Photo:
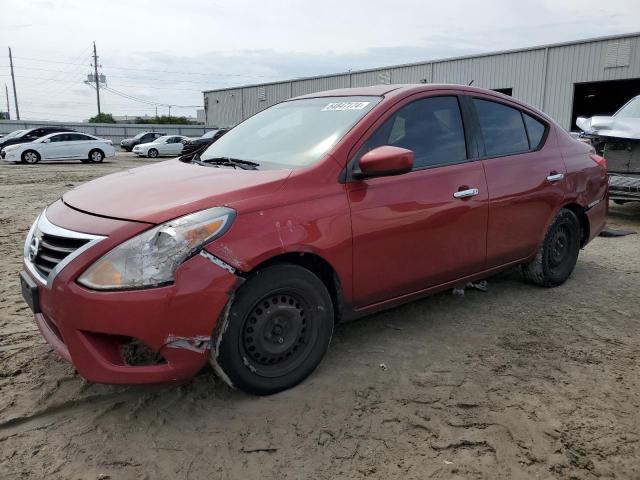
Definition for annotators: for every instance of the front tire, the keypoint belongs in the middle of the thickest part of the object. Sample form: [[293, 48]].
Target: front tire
[[558, 253], [278, 329], [152, 153], [96, 156], [30, 157]]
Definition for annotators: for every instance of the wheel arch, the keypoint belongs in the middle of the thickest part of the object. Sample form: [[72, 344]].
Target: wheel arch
[[96, 149], [585, 227], [318, 266]]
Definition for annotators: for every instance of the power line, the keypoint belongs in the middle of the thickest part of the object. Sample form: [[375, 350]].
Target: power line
[[178, 72]]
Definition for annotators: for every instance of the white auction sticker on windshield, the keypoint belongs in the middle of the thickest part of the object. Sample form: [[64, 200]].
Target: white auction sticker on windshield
[[339, 106]]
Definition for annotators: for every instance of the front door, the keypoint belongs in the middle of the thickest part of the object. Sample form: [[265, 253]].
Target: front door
[[56, 147], [426, 227]]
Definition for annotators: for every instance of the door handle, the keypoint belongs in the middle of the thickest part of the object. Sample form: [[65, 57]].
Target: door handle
[[471, 192], [554, 177]]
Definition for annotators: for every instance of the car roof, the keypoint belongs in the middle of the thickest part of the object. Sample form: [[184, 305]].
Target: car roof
[[403, 90], [63, 132]]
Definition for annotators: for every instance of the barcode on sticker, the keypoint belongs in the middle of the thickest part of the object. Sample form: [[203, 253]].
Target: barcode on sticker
[[337, 106]]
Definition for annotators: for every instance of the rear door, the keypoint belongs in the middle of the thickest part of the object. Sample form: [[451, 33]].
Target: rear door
[[79, 145], [525, 177], [426, 227]]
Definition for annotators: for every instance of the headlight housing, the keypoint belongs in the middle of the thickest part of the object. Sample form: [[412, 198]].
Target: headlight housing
[[152, 257], [10, 148]]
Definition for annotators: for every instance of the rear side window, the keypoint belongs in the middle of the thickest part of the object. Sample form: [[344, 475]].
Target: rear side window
[[502, 128], [77, 137], [535, 130], [430, 127]]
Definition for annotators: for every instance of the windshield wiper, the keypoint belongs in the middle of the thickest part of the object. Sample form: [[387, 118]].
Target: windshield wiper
[[232, 162]]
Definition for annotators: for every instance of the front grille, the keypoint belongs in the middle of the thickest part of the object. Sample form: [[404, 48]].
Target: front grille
[[52, 250]]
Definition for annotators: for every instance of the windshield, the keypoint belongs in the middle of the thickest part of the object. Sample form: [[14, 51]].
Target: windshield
[[292, 134], [209, 134], [162, 139], [13, 134], [630, 110], [140, 135], [24, 133]]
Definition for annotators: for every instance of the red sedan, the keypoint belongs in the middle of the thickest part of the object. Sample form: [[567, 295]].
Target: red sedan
[[317, 210]]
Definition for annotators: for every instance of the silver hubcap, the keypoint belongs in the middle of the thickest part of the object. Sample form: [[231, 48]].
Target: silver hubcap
[[31, 157], [153, 153], [96, 156]]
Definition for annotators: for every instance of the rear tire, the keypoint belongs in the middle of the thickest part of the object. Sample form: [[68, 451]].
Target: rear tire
[[277, 330], [30, 156], [558, 253], [96, 156], [152, 153]]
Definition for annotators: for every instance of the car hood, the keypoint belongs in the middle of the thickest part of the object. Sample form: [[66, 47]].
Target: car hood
[[148, 144], [12, 141], [157, 193], [628, 128]]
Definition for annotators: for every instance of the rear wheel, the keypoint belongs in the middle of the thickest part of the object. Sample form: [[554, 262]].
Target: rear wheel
[[152, 153], [96, 156], [278, 329], [30, 156], [558, 253]]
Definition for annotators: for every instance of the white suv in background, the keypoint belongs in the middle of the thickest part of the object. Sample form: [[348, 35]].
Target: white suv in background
[[61, 146]]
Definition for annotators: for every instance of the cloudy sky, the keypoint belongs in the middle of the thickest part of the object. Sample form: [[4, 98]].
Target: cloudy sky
[[162, 52]]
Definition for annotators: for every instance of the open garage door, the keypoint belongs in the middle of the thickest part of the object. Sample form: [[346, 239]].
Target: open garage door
[[602, 98]]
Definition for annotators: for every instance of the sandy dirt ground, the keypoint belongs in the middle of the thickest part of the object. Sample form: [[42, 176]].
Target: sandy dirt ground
[[517, 382]]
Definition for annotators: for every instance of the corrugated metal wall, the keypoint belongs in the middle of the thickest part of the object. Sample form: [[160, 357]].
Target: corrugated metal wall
[[542, 76], [579, 63], [111, 131]]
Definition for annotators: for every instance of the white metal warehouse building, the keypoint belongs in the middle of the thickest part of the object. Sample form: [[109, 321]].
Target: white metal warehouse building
[[565, 80]]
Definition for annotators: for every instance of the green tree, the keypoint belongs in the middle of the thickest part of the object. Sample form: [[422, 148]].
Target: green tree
[[102, 118]]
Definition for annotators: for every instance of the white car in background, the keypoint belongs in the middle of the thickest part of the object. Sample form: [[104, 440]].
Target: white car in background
[[60, 146], [166, 145]]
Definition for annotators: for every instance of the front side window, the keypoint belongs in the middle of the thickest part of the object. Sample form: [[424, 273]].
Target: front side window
[[431, 128], [59, 138], [502, 128], [292, 134]]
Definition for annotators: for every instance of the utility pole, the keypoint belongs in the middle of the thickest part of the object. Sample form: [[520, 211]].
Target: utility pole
[[6, 92], [13, 81], [97, 79], [169, 112]]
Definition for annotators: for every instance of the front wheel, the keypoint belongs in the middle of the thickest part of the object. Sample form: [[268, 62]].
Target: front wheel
[[278, 329], [152, 153], [31, 157], [558, 253]]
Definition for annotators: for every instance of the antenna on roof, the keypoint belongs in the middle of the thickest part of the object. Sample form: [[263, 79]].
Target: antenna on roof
[[470, 83]]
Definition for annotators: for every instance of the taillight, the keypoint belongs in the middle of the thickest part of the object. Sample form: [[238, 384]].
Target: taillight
[[601, 161]]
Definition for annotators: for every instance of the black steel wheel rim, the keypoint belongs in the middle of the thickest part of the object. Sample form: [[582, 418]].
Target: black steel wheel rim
[[278, 334], [560, 247]]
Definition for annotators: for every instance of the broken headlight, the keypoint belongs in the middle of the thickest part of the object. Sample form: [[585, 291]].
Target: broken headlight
[[152, 257]]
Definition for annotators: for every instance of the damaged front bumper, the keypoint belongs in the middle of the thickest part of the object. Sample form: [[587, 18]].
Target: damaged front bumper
[[155, 335]]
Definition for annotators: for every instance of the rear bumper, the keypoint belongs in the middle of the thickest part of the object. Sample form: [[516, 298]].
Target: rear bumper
[[96, 331]]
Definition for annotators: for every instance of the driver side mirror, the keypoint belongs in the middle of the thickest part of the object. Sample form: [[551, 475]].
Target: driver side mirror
[[46, 140], [385, 161]]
